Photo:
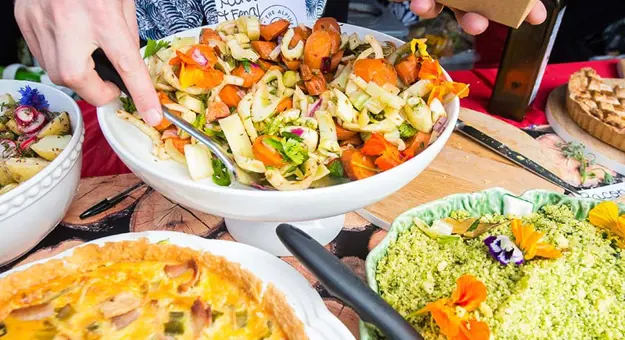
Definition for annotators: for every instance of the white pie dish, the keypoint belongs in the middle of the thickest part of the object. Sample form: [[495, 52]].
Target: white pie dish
[[30, 211], [318, 321], [252, 216]]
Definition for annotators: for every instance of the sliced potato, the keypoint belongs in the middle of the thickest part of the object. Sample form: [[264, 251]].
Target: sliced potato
[[12, 125], [60, 125], [8, 188], [23, 169], [49, 147], [5, 177]]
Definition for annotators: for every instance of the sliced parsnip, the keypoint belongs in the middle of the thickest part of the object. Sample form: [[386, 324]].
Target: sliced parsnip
[[49, 147], [198, 161]]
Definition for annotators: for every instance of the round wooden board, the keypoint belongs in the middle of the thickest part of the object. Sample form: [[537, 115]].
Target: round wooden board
[[568, 130]]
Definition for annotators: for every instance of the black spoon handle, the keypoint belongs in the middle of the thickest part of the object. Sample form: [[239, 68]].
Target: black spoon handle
[[107, 71], [344, 284]]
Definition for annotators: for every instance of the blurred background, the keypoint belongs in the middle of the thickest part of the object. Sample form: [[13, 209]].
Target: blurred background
[[590, 30]]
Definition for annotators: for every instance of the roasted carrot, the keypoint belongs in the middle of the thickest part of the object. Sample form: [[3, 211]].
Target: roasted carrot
[[301, 33], [263, 48], [336, 60], [327, 24], [343, 134], [305, 72], [180, 143], [375, 145], [285, 104], [376, 70], [267, 154], [316, 85], [356, 165], [389, 159], [199, 55], [164, 124], [249, 78], [292, 65], [318, 46], [207, 35], [416, 144], [408, 70], [231, 95], [273, 30], [164, 98], [336, 42], [217, 110]]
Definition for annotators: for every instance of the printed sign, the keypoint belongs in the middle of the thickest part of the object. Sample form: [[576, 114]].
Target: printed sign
[[609, 192], [268, 10]]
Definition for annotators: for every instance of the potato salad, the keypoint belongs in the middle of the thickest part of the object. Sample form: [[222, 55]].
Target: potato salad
[[31, 136], [298, 107]]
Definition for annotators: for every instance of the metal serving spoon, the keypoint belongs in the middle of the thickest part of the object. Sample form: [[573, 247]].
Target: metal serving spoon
[[239, 178]]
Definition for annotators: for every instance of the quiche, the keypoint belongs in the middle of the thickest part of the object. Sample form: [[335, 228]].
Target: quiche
[[142, 290], [597, 106]]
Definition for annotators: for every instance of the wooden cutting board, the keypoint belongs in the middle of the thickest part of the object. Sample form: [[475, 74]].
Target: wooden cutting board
[[465, 166]]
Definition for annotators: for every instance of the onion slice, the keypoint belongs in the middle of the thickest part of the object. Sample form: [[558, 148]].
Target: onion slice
[[8, 148], [314, 107]]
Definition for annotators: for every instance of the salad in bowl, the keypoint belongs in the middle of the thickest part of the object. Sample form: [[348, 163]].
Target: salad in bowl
[[297, 107], [31, 136]]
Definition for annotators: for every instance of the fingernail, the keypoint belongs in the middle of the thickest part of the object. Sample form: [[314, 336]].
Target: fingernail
[[153, 116]]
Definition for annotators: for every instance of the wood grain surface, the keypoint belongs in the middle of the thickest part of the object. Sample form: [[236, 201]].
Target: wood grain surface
[[466, 166]]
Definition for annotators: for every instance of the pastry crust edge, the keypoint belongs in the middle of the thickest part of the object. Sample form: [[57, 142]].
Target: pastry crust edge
[[89, 257]]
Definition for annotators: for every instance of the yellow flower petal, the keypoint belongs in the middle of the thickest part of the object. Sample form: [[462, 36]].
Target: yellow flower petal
[[604, 215]]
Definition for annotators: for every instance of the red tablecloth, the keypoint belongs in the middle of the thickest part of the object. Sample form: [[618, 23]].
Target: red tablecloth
[[100, 160]]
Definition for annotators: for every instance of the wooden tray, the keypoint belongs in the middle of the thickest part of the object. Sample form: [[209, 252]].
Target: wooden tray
[[466, 166]]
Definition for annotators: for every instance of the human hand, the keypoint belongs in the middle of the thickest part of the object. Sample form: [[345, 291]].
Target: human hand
[[471, 23], [62, 35]]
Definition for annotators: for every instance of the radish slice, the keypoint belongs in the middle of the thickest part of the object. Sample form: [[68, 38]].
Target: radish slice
[[36, 125], [8, 148], [24, 115], [170, 133], [27, 142]]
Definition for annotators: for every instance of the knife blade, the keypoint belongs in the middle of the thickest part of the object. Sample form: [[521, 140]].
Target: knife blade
[[513, 156], [109, 202]]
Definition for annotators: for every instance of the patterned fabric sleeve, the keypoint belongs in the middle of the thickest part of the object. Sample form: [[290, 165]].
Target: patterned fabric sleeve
[[160, 18], [210, 11]]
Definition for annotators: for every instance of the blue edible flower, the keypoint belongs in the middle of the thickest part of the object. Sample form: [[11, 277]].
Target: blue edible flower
[[504, 250], [32, 97]]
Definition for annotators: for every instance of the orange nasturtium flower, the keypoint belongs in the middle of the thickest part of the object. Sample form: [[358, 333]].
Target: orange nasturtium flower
[[605, 215], [528, 240], [469, 294]]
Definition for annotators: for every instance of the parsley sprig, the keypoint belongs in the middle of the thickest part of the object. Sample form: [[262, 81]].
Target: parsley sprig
[[154, 46]]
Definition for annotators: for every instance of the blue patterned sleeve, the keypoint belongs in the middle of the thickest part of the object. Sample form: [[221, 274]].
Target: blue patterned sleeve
[[160, 18]]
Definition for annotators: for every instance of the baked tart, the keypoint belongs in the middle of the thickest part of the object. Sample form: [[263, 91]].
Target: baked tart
[[141, 290], [597, 106]]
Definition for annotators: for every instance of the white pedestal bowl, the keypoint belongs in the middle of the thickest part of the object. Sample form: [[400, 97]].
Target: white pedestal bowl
[[252, 216]]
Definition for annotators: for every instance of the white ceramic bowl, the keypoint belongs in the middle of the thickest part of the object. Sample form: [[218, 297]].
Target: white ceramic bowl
[[264, 208], [30, 211], [305, 301]]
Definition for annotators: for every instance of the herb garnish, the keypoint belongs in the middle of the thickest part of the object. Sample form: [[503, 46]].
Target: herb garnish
[[128, 104], [336, 169], [154, 46], [576, 151], [220, 174]]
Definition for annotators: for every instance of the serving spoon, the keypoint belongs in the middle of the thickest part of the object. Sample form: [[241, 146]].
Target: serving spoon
[[239, 178], [344, 284]]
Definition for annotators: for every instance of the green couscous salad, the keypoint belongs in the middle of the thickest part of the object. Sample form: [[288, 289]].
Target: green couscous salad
[[545, 275]]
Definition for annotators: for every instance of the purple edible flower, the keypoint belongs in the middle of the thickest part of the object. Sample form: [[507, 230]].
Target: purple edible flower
[[32, 97], [504, 250], [298, 131]]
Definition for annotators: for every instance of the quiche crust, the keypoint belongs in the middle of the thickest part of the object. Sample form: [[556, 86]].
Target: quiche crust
[[597, 107], [14, 288]]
